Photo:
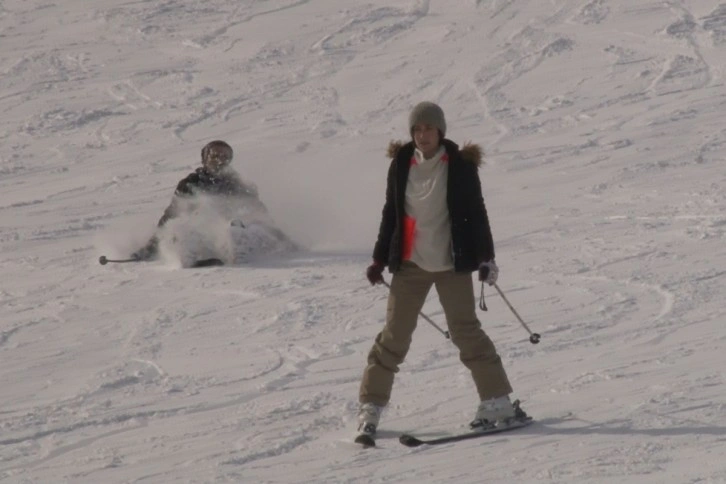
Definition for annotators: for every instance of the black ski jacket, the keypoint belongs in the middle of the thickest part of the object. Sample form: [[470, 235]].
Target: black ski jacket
[[471, 235]]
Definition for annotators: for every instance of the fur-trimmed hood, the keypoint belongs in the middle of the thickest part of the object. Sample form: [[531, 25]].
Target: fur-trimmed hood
[[470, 152]]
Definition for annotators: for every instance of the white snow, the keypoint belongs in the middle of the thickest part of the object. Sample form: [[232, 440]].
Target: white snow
[[604, 127]]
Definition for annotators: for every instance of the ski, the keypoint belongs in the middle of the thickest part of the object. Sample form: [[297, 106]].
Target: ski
[[411, 441], [213, 262]]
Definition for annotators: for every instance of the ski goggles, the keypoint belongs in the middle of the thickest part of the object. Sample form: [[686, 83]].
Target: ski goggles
[[219, 154]]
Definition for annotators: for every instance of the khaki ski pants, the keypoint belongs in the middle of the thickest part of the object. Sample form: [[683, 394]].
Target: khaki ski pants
[[409, 288]]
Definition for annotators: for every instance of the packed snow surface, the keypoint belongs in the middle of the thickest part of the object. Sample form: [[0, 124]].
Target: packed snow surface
[[604, 127]]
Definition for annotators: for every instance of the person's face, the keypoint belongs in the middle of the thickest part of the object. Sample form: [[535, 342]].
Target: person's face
[[218, 157], [426, 137]]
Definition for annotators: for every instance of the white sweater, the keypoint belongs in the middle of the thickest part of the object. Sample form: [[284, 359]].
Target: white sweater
[[426, 206]]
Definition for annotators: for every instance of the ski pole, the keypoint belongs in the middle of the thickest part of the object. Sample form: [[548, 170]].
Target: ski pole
[[103, 260], [445, 333], [533, 337]]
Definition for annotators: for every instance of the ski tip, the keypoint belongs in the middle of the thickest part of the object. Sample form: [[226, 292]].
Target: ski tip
[[410, 440], [365, 440]]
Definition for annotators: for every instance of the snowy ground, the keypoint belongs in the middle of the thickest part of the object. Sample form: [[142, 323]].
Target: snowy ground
[[604, 126]]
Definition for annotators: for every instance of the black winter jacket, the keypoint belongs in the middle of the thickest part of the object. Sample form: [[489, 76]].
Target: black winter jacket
[[471, 235]]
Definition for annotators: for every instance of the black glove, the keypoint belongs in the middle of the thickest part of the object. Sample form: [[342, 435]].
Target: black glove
[[148, 251], [374, 273]]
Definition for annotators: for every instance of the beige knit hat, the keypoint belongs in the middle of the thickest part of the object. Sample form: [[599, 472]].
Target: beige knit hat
[[427, 113]]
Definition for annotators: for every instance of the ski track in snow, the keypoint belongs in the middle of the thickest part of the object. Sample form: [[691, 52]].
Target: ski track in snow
[[602, 123]]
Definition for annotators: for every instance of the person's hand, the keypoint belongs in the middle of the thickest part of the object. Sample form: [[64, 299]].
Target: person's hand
[[148, 251], [142, 254], [488, 272], [374, 273]]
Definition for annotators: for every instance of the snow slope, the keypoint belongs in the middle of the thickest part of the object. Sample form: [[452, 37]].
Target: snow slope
[[604, 127]]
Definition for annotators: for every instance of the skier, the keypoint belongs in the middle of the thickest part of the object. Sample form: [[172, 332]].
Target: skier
[[434, 231], [216, 178]]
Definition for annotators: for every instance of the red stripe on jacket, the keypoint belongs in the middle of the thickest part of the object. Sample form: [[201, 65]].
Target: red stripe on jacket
[[409, 234]]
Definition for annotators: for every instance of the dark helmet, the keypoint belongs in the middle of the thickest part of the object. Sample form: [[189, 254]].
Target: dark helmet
[[218, 153]]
